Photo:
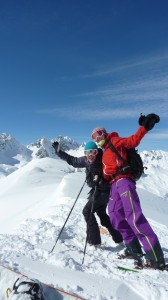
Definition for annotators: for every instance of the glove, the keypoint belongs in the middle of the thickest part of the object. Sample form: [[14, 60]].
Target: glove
[[56, 146], [149, 121], [141, 120], [96, 180]]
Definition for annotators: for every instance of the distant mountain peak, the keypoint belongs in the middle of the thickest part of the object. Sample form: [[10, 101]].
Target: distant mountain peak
[[11, 151], [42, 148], [66, 143], [14, 155]]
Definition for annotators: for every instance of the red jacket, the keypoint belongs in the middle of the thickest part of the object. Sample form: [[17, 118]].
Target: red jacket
[[111, 162]]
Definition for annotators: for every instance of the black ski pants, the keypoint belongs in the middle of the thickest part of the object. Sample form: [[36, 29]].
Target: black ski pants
[[98, 206]]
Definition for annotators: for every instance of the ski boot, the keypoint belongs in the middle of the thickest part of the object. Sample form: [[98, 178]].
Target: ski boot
[[132, 250], [155, 258]]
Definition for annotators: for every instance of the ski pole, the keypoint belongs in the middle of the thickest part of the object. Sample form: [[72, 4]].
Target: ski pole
[[68, 217], [84, 252]]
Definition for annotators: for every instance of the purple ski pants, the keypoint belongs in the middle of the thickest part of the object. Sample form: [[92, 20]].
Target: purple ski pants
[[126, 214]]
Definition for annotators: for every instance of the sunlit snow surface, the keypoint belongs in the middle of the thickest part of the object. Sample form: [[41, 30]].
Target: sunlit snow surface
[[35, 201]]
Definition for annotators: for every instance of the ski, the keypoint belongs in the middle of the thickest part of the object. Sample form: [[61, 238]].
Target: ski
[[127, 269], [139, 269]]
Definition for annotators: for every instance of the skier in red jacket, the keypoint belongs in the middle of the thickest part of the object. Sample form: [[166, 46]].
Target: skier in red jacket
[[124, 206]]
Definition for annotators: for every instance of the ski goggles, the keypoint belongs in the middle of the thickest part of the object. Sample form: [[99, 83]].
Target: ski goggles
[[97, 135], [90, 152]]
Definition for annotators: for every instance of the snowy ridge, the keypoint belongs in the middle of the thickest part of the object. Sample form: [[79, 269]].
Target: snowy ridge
[[156, 174], [156, 158]]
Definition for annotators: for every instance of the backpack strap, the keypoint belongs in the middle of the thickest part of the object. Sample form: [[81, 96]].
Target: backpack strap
[[113, 149], [122, 170]]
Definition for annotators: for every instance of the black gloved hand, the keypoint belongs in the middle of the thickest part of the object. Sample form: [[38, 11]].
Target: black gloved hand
[[96, 180], [56, 146], [141, 120], [149, 121]]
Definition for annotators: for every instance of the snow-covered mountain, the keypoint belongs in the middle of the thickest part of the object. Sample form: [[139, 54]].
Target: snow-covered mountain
[[43, 147], [156, 172], [67, 143], [14, 155], [36, 199], [12, 152]]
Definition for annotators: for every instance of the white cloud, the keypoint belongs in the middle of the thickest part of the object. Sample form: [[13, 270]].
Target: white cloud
[[158, 136], [124, 98], [139, 90], [103, 111], [139, 62]]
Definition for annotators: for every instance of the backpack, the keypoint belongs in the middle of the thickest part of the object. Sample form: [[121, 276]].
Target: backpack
[[30, 288], [134, 164]]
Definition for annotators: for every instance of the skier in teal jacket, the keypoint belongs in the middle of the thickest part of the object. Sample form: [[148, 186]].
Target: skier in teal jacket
[[97, 199]]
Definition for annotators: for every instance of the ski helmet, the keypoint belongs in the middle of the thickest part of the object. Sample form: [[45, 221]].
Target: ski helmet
[[98, 132], [90, 145]]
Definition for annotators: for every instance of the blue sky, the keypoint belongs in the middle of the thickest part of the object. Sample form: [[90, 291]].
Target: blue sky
[[71, 65]]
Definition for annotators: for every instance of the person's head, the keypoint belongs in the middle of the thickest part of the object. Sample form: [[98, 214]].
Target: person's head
[[90, 151], [99, 135]]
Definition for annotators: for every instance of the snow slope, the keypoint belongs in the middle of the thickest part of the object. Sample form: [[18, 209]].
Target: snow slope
[[35, 201]]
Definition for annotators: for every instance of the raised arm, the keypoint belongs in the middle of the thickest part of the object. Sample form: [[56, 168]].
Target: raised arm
[[76, 162]]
